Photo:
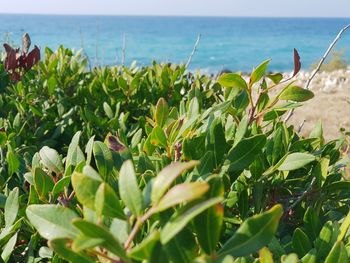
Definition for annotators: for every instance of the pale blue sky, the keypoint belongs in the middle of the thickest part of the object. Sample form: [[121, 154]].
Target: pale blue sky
[[279, 8]]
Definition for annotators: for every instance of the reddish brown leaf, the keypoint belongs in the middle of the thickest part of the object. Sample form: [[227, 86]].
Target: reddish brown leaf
[[10, 60], [297, 63], [32, 58]]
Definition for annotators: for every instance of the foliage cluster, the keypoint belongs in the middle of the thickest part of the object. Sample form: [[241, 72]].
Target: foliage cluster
[[155, 164]]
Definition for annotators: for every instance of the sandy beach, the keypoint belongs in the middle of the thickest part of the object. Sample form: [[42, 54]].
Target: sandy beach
[[330, 104]]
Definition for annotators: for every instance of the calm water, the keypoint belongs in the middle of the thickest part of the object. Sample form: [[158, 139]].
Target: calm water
[[233, 43]]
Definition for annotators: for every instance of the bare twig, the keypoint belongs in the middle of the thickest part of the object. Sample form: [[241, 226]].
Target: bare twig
[[193, 51], [123, 49], [301, 125], [331, 46], [301, 197], [136, 228], [341, 32]]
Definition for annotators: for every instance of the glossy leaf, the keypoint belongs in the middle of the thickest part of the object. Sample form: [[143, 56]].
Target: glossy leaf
[[43, 182], [52, 221], [232, 80], [167, 176], [128, 188], [338, 254], [60, 246], [162, 112], [179, 221], [107, 202], [181, 193], [103, 159], [99, 232], [296, 93], [259, 72], [85, 188], [51, 159], [301, 242], [11, 207], [244, 153], [208, 224], [296, 161], [253, 234]]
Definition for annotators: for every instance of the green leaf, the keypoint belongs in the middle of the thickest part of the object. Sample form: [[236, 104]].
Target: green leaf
[[338, 254], [128, 188], [89, 149], [60, 185], [291, 258], [8, 248], [312, 223], [83, 242], [60, 246], [51, 160], [216, 141], [11, 207], [12, 160], [8, 231], [42, 182], [244, 153], [107, 202], [181, 193], [324, 241], [310, 257], [158, 137], [301, 242], [208, 224], [103, 158], [107, 109], [74, 154], [258, 73], [167, 176], [143, 251], [193, 108], [255, 233], [296, 93], [241, 129], [344, 227], [180, 220], [296, 161], [232, 80], [52, 221], [85, 188], [265, 256], [99, 232], [276, 77], [162, 112]]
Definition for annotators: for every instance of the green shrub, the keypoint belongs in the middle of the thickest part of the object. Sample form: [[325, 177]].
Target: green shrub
[[154, 164]]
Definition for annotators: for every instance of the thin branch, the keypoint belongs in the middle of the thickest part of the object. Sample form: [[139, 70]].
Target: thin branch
[[302, 195], [331, 46], [341, 32], [301, 125], [123, 49], [193, 51], [137, 227]]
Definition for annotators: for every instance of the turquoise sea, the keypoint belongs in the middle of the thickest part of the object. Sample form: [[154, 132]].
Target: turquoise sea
[[226, 42]]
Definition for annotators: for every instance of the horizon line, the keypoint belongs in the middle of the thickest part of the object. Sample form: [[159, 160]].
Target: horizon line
[[173, 15]]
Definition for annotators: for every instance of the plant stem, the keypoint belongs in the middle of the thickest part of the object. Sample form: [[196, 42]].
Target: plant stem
[[137, 226], [193, 51]]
